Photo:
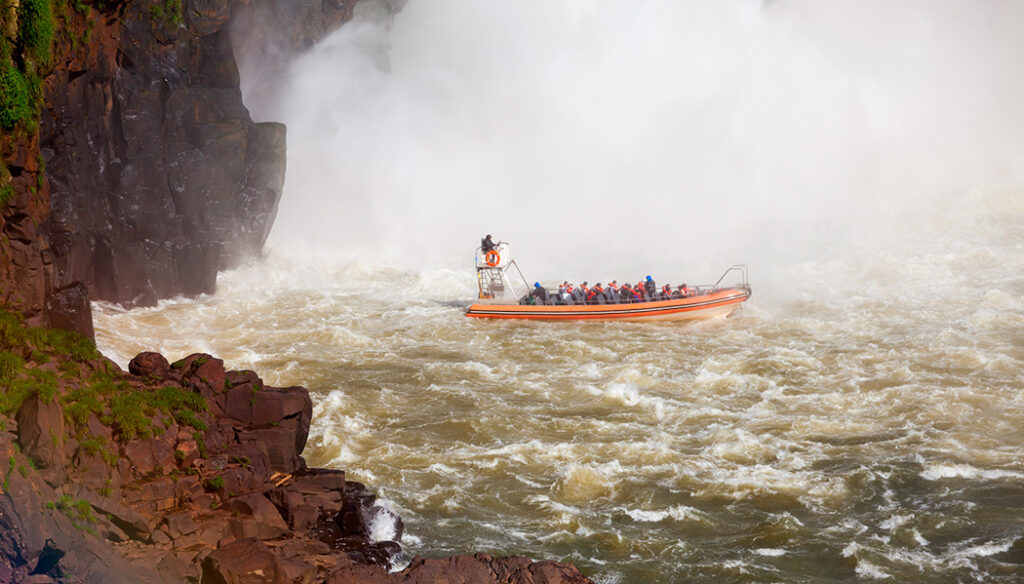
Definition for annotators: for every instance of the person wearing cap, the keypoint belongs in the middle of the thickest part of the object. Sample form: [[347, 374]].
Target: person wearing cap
[[650, 287], [540, 293]]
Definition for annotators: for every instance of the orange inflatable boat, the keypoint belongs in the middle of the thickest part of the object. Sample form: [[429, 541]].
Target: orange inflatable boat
[[503, 297]]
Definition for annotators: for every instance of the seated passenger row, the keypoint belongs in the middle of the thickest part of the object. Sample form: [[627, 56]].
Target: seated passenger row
[[644, 291]]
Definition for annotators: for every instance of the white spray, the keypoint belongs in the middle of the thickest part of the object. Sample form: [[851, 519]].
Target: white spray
[[655, 136]]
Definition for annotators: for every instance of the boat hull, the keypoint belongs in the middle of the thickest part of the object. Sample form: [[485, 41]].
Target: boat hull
[[720, 303]]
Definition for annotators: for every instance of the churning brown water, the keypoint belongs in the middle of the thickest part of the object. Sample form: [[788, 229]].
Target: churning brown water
[[859, 419]]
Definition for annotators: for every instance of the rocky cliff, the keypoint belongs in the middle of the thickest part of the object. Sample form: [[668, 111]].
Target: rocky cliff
[[158, 176], [134, 171]]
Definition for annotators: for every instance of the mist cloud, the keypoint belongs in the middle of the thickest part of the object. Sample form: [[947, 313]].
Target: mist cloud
[[655, 135]]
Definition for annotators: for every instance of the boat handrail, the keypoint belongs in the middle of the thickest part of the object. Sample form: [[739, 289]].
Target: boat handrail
[[742, 269]]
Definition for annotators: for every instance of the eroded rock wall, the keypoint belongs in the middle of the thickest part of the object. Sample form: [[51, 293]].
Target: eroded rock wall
[[158, 176], [147, 174]]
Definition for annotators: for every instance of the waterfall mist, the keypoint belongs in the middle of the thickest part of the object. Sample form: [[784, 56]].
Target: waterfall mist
[[609, 139]]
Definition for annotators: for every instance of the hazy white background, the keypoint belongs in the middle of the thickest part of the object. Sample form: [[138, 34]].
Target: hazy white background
[[615, 139]]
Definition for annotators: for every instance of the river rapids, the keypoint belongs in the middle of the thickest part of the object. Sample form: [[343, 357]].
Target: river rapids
[[865, 422]]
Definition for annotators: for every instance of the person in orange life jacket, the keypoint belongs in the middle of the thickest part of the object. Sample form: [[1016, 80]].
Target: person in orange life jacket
[[638, 294], [570, 294], [540, 293], [639, 291], [612, 291], [625, 295], [487, 245], [631, 294], [666, 292], [584, 291], [596, 295], [684, 291]]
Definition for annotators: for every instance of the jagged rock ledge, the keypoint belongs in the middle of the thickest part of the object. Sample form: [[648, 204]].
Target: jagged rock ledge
[[184, 472]]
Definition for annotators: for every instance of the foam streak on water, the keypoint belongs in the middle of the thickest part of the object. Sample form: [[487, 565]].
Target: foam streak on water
[[865, 427]]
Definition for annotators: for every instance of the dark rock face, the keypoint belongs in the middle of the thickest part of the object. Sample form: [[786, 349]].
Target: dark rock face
[[26, 259], [158, 176], [41, 434], [68, 308]]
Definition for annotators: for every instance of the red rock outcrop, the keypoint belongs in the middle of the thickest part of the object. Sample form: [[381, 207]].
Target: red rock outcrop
[[186, 472]]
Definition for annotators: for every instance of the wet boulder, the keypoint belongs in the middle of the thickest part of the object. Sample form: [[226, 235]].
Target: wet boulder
[[149, 365]]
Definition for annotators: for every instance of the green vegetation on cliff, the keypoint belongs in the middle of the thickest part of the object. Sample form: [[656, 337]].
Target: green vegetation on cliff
[[6, 188], [35, 31], [168, 11], [26, 53], [57, 363], [20, 345]]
